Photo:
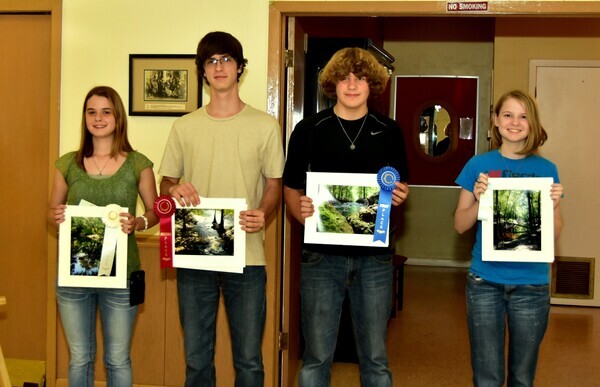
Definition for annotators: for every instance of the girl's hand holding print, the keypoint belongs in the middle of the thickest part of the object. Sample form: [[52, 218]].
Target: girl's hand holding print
[[480, 186], [127, 222], [556, 194]]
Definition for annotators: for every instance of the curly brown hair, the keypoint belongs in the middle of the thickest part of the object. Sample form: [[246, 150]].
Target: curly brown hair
[[357, 61]]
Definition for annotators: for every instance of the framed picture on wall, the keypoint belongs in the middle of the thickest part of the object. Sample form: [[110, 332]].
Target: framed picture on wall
[[163, 85], [92, 248], [345, 209], [517, 220]]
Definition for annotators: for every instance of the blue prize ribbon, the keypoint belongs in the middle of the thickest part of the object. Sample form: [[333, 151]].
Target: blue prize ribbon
[[386, 178]]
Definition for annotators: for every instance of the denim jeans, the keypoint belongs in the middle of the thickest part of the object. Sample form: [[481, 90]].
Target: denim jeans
[[324, 281], [245, 304], [490, 308], [78, 309]]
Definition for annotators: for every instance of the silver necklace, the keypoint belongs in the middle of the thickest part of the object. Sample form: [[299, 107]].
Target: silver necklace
[[512, 174], [352, 146], [96, 164]]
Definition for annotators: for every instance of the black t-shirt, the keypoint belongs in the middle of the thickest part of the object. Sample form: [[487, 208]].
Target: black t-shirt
[[319, 144]]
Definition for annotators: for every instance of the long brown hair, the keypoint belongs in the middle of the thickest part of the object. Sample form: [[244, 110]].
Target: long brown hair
[[120, 140]]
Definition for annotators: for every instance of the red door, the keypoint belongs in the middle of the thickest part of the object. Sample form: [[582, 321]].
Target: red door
[[458, 96]]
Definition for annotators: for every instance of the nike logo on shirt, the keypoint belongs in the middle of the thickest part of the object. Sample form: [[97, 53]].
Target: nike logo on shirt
[[376, 133]]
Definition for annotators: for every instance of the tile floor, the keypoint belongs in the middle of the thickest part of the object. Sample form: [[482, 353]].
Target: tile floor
[[428, 340]]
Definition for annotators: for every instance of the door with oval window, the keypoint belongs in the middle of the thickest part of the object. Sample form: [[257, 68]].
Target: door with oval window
[[438, 115]]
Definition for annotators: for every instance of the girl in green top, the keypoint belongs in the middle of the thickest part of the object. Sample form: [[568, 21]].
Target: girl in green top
[[105, 170]]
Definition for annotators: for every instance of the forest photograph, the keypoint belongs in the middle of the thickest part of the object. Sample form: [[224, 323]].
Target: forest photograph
[[347, 209], [517, 220], [204, 231], [87, 235]]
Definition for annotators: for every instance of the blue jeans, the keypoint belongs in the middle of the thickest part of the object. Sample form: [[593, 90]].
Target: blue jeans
[[245, 304], [490, 307], [78, 309], [324, 281]]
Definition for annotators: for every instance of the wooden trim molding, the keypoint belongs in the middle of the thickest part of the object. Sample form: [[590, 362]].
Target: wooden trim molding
[[427, 8], [144, 240]]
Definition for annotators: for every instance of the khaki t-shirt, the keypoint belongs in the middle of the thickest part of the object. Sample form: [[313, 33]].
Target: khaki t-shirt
[[227, 158]]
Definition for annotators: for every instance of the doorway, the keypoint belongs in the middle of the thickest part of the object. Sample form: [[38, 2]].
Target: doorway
[[439, 48], [430, 203]]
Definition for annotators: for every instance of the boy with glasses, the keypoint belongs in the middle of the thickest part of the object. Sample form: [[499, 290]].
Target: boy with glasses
[[226, 149]]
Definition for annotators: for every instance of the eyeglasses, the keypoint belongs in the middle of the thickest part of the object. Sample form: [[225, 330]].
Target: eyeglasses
[[224, 60]]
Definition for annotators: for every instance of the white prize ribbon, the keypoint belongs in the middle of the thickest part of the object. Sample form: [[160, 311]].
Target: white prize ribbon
[[112, 222]]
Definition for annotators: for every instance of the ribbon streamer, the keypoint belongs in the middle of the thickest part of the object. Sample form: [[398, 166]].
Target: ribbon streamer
[[112, 222], [386, 178], [164, 208]]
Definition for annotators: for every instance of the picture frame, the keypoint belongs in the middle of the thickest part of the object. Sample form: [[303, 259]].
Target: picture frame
[[209, 236], [351, 196], [163, 85], [91, 251], [517, 219]]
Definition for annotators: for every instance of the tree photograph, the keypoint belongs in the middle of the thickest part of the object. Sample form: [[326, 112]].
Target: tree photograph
[[204, 231], [348, 209], [87, 235], [517, 220]]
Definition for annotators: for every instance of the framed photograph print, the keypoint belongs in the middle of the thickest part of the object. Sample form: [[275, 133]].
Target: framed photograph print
[[209, 236], [163, 85], [345, 209], [92, 249], [517, 220]]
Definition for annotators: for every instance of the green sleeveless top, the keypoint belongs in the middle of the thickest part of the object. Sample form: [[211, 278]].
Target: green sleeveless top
[[120, 188]]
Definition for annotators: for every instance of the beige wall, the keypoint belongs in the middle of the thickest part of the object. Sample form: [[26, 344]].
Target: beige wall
[[99, 35], [519, 40], [97, 41]]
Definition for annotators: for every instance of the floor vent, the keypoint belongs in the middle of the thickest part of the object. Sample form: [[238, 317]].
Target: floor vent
[[573, 277]]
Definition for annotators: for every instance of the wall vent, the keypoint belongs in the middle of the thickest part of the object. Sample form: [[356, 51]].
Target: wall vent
[[573, 277]]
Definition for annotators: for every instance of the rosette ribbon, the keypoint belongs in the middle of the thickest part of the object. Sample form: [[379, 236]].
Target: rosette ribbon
[[386, 178], [164, 208], [112, 222]]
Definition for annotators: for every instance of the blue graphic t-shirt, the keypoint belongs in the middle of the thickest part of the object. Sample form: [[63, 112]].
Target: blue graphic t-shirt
[[492, 163]]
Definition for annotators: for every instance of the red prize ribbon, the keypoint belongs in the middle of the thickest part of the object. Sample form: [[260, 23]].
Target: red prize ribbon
[[164, 208]]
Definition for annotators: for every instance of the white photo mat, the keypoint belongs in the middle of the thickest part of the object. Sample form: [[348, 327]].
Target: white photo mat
[[316, 189], [83, 234], [213, 238], [517, 217]]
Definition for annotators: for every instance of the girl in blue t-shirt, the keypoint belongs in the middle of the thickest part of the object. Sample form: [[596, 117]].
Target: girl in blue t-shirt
[[501, 294]]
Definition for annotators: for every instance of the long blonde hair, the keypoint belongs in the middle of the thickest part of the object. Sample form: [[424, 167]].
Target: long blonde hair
[[537, 134]]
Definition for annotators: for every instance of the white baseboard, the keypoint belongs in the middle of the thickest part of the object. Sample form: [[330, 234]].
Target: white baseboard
[[437, 262]]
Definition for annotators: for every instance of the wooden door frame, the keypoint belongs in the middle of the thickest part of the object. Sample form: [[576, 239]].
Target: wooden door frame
[[280, 11], [54, 9]]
